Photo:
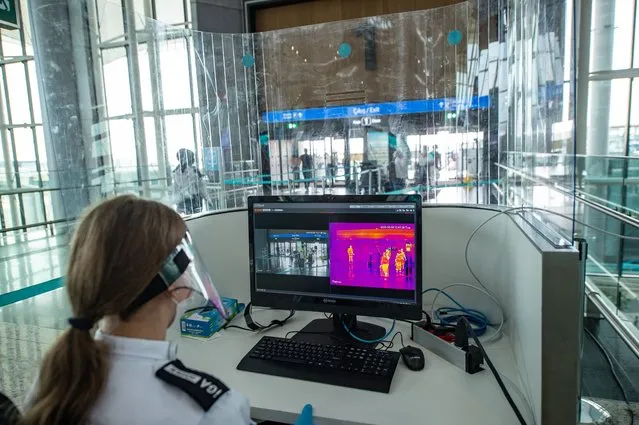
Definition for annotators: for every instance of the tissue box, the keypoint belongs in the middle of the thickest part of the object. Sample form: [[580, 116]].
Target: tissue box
[[206, 321]]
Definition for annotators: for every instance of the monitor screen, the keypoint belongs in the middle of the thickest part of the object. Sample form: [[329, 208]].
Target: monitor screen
[[348, 254]]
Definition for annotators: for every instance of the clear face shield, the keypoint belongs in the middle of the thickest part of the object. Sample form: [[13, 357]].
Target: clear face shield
[[184, 264]]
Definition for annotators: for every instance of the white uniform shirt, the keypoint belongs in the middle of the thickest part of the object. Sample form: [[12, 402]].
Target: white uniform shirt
[[133, 395]]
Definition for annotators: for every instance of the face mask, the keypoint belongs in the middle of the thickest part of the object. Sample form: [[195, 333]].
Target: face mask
[[181, 307]]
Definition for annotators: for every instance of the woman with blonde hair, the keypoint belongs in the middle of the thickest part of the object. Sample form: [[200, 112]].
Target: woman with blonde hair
[[132, 266]]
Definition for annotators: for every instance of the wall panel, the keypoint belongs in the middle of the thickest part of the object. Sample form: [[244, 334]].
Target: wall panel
[[323, 11]]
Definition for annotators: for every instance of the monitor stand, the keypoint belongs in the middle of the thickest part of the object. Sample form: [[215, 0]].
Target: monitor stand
[[331, 331]]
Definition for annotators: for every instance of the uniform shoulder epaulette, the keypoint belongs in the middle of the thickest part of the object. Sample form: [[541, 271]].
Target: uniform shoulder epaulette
[[201, 387]]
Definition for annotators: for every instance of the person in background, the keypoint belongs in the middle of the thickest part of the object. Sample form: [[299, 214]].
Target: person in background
[[132, 267], [307, 168], [401, 170], [188, 184], [434, 165], [295, 167], [422, 166], [330, 163]]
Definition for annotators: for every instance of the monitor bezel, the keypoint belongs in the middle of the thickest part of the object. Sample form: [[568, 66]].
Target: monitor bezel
[[339, 305]]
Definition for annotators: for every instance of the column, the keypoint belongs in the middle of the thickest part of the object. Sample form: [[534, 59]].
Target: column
[[51, 31]]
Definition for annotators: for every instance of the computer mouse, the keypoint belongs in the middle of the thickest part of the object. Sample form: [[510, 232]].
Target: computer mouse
[[413, 357]]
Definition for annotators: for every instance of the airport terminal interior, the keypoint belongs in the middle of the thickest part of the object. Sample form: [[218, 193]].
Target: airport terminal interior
[[201, 104]]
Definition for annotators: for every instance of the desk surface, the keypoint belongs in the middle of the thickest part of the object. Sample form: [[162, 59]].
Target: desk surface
[[439, 394]]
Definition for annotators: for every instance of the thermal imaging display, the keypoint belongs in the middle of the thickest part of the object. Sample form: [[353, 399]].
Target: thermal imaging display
[[372, 255]]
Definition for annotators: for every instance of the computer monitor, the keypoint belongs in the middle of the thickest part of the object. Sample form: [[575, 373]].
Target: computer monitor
[[345, 255]]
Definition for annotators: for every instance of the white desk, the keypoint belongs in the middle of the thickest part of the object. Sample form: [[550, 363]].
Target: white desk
[[439, 394]]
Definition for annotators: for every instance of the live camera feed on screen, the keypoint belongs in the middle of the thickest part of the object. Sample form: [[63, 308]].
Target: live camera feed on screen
[[337, 250], [293, 252], [373, 255]]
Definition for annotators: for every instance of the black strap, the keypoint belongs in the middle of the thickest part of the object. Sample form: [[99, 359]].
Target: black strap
[[253, 325], [80, 323], [157, 285], [201, 387], [9, 413]]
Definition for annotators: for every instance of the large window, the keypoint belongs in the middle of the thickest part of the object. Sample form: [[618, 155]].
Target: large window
[[149, 81], [24, 177]]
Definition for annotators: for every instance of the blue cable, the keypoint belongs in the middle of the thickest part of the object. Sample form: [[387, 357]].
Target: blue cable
[[474, 317], [450, 315], [369, 341]]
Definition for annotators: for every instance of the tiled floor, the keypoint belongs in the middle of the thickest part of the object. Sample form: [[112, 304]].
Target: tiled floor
[[27, 329], [21, 351], [28, 263]]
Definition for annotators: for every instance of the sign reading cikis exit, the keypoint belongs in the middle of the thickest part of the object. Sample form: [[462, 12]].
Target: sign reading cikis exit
[[8, 14]]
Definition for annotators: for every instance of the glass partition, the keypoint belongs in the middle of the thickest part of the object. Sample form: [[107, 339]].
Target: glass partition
[[446, 102], [469, 103]]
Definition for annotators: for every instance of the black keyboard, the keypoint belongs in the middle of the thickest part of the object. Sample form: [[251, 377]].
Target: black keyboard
[[343, 365]]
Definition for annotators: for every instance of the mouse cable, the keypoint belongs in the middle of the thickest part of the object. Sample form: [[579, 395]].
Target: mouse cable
[[504, 390], [605, 353], [391, 343]]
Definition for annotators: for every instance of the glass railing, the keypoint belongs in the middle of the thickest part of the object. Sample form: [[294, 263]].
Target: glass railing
[[607, 195]]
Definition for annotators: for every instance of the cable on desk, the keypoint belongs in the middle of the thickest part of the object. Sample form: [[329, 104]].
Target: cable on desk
[[366, 341], [521, 209], [256, 326], [336, 337], [471, 331], [391, 343], [237, 327], [605, 353], [521, 395], [450, 316]]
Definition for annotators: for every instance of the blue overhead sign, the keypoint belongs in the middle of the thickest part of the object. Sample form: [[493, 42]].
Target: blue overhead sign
[[377, 109]]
